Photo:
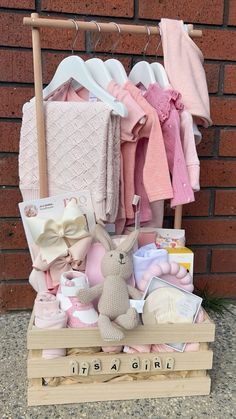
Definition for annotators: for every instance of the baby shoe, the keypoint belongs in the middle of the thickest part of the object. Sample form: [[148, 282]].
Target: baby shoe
[[79, 314]]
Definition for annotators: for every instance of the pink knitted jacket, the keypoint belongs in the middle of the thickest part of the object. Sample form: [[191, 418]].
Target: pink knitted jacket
[[156, 176], [168, 106]]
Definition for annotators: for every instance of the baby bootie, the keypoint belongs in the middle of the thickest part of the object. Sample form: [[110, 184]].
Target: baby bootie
[[79, 314]]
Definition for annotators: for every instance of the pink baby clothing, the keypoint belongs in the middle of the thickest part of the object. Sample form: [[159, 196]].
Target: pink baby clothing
[[132, 123], [183, 63], [83, 151], [130, 127], [156, 177], [49, 316], [189, 148], [45, 304], [168, 106]]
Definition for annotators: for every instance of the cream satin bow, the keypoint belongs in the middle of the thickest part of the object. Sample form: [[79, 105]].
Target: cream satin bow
[[50, 234]]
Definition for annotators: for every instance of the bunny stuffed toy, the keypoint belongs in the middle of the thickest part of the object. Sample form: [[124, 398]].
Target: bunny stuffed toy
[[113, 306]]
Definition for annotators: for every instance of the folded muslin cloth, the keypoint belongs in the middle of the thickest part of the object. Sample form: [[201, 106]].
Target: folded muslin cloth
[[83, 153], [49, 316], [146, 256]]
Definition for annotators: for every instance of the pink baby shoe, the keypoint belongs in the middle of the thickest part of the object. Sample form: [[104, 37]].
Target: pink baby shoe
[[79, 314]]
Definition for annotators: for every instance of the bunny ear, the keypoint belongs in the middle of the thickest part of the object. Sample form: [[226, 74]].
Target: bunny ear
[[103, 237], [129, 242]]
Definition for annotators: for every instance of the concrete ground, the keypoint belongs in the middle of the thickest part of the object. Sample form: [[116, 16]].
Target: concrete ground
[[220, 404]]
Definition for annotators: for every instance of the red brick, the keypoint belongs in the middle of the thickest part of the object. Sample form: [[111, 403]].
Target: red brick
[[218, 173], [100, 8], [210, 231], [227, 145], [232, 13], [223, 111], [9, 136], [205, 148], [212, 76], [201, 205], [13, 33], [9, 199], [218, 44], [197, 11], [223, 260], [51, 61], [16, 297], [16, 66], [12, 235], [225, 202], [9, 170], [217, 285], [15, 265], [200, 259], [12, 100], [230, 79], [15, 4]]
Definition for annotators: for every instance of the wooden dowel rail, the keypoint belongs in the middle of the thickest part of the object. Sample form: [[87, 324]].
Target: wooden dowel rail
[[38, 22]]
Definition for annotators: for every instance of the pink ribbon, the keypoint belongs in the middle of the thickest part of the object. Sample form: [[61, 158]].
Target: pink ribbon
[[71, 260]]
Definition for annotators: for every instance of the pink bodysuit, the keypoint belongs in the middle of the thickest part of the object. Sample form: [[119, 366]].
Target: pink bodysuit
[[168, 106], [156, 178]]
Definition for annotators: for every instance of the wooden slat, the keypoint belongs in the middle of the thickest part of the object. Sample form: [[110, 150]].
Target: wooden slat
[[163, 333], [201, 360], [80, 393], [37, 380]]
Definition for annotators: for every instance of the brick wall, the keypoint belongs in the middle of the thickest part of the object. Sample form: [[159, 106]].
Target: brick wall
[[210, 222]]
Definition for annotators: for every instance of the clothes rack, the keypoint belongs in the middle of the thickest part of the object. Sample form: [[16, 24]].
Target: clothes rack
[[36, 23]]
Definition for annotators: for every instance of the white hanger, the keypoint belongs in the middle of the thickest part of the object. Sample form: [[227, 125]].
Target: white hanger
[[99, 71], [160, 74], [115, 67], [117, 71], [142, 71], [73, 67], [97, 67]]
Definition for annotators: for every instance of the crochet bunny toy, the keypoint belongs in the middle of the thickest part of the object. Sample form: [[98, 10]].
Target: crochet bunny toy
[[113, 306]]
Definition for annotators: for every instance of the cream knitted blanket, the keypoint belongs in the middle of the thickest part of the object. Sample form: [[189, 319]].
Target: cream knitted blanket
[[83, 152]]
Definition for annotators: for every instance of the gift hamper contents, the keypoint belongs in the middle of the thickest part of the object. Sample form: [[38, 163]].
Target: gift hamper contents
[[112, 283]]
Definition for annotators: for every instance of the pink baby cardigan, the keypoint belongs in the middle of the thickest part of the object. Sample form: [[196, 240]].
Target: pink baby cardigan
[[83, 151], [183, 62], [129, 130], [168, 106], [156, 176]]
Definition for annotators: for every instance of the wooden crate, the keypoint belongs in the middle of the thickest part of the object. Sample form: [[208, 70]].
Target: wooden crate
[[162, 374]]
